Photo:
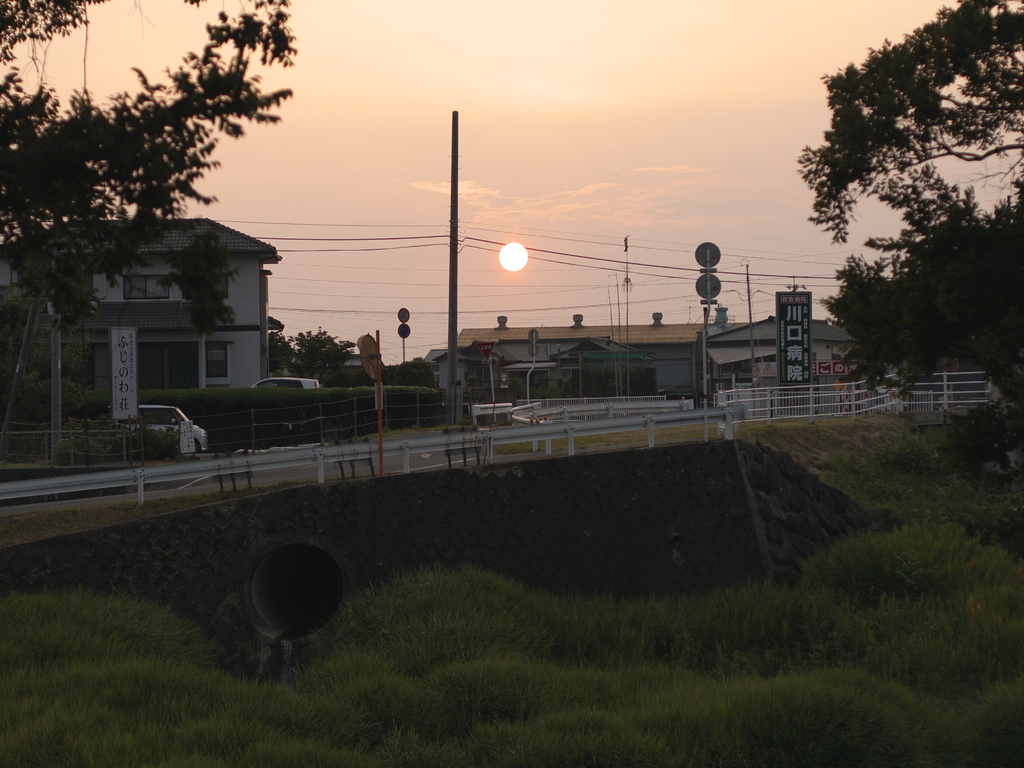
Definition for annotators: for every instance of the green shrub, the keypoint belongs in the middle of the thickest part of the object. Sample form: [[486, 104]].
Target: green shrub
[[58, 628], [993, 727], [916, 561], [909, 453], [829, 718], [983, 438], [445, 616]]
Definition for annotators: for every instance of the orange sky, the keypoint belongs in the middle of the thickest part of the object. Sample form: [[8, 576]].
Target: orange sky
[[582, 121]]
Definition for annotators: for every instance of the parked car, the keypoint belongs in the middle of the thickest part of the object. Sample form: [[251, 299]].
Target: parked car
[[288, 381], [169, 418]]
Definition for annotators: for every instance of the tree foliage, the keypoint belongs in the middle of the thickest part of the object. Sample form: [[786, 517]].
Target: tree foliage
[[932, 127], [67, 169], [318, 355], [412, 373], [280, 353], [34, 402]]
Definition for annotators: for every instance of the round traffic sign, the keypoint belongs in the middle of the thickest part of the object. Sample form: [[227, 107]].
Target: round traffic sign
[[708, 255], [708, 286], [404, 331], [403, 315]]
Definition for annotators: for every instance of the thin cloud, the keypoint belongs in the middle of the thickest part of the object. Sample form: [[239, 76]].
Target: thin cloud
[[467, 189], [673, 169], [676, 196]]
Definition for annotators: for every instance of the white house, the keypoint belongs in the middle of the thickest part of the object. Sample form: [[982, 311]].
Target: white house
[[172, 354]]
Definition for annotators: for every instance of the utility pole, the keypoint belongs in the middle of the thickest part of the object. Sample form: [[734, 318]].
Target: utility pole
[[454, 401], [750, 323]]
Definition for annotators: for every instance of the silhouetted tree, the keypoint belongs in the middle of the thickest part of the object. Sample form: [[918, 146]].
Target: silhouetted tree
[[946, 103], [34, 403], [318, 355], [280, 353], [412, 373], [67, 169]]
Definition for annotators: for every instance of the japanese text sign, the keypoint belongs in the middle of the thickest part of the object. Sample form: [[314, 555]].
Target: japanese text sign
[[793, 312], [124, 375]]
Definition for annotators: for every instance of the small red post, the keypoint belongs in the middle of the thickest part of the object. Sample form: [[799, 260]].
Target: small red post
[[380, 408]]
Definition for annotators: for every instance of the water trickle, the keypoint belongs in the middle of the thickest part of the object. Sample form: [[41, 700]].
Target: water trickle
[[287, 651]]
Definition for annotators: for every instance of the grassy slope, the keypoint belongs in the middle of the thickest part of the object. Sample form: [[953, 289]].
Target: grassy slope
[[899, 649]]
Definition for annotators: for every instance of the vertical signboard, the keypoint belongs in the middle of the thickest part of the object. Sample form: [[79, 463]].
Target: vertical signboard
[[793, 311], [124, 375]]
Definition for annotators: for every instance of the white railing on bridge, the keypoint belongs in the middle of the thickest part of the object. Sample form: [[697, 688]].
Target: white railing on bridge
[[849, 400], [586, 409], [455, 444], [941, 393]]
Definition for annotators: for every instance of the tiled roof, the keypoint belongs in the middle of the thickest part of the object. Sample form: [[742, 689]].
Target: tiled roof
[[144, 315], [632, 334], [182, 232]]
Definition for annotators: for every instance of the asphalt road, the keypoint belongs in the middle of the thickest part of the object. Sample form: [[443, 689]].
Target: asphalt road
[[419, 462]]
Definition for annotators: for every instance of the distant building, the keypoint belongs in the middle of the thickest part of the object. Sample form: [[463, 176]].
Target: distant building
[[583, 360], [614, 361], [732, 350], [172, 354]]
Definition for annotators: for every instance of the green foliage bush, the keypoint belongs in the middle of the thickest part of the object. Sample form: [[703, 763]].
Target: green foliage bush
[[983, 439], [510, 678], [238, 418], [916, 478], [899, 648]]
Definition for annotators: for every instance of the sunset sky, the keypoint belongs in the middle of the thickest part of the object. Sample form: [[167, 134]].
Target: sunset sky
[[671, 122]]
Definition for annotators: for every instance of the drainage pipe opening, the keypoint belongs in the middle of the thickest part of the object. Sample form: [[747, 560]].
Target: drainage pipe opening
[[294, 590]]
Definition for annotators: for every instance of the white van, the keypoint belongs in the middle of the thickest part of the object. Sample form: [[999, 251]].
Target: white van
[[170, 418], [288, 381]]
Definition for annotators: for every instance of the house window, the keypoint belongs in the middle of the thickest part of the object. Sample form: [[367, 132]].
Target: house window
[[146, 287], [217, 360]]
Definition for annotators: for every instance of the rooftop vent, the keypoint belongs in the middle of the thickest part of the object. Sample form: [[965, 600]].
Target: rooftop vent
[[657, 320], [577, 321], [502, 323]]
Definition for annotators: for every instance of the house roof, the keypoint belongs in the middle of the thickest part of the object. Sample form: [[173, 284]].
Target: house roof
[[631, 334], [143, 315], [183, 231], [765, 330], [726, 355]]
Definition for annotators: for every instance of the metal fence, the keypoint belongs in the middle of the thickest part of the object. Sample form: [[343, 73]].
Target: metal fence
[[940, 393], [75, 448], [766, 404]]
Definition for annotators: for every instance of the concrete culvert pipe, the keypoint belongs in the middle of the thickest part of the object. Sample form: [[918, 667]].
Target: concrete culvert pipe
[[294, 590]]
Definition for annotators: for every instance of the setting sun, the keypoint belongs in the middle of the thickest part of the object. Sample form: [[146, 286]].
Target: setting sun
[[513, 257]]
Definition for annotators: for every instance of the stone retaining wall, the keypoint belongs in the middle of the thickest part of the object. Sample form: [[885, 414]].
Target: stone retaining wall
[[686, 518]]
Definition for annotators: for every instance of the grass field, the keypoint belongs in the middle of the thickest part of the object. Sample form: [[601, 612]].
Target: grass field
[[896, 649]]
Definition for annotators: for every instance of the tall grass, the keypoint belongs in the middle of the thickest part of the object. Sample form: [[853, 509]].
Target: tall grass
[[904, 648], [911, 477], [822, 674]]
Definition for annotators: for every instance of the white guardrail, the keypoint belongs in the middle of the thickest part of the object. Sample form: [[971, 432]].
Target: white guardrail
[[536, 423], [453, 443]]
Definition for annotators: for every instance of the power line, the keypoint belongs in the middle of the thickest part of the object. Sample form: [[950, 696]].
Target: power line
[[638, 243]]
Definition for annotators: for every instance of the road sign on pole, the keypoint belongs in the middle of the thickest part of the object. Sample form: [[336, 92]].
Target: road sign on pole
[[708, 255], [708, 286], [403, 329]]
